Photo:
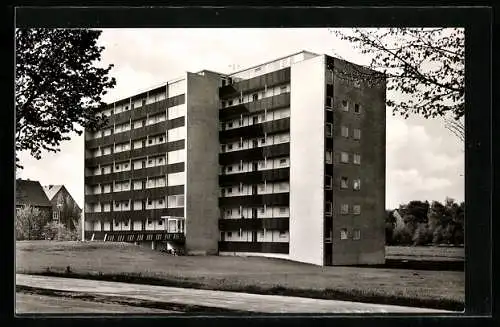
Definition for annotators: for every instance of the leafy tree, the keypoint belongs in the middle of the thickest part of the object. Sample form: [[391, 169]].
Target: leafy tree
[[422, 235], [402, 235], [29, 223], [424, 65], [390, 223], [58, 86]]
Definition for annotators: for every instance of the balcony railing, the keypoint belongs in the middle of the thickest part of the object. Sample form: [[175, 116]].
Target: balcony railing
[[270, 151], [272, 79], [258, 247], [148, 193], [135, 174], [253, 131], [255, 177], [269, 103], [153, 214], [256, 200], [281, 224]]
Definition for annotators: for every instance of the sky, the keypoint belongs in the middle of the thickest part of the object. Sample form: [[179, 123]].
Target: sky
[[424, 161]]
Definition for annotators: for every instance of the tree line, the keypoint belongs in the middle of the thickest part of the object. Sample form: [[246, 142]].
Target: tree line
[[424, 223], [33, 224]]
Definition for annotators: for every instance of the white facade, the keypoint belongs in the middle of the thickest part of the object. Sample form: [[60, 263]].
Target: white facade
[[306, 174]]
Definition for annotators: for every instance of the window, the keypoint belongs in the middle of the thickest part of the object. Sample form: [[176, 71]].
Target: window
[[282, 210], [150, 202], [230, 103], [356, 209], [160, 160], [344, 157], [161, 138], [282, 234], [126, 165], [356, 185], [150, 161], [125, 223], [117, 205], [229, 168], [344, 209], [255, 97], [345, 105], [357, 134], [344, 131], [149, 222], [126, 107], [357, 159], [262, 141], [150, 141], [126, 204], [160, 201], [230, 125], [356, 234], [343, 182], [328, 182], [160, 222], [343, 234], [282, 162], [117, 167], [328, 157], [357, 108], [229, 190], [328, 208], [329, 130], [229, 234], [117, 223], [229, 146]]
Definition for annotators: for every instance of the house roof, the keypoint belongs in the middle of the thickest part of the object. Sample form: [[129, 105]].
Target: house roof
[[51, 190], [31, 192]]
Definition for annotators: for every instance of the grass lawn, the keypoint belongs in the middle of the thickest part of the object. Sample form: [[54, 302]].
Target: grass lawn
[[425, 253], [251, 274]]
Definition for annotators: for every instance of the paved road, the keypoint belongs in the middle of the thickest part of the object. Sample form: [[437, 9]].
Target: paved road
[[217, 299], [34, 303]]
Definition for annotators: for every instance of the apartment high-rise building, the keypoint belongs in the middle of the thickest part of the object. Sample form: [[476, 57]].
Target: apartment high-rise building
[[285, 159]]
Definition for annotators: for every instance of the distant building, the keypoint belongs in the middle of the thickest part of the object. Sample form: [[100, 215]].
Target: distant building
[[64, 208], [284, 159], [31, 193]]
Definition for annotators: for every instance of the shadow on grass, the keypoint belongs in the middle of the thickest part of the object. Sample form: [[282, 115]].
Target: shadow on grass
[[367, 296]]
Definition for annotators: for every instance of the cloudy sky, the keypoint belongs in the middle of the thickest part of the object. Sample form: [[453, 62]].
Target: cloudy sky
[[424, 160]]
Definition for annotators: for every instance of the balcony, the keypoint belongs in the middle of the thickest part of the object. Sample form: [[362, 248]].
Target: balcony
[[253, 154], [269, 103], [257, 130], [153, 214], [135, 153], [135, 236], [277, 199], [141, 194], [135, 174], [254, 224], [278, 77], [255, 177], [257, 247], [143, 111], [135, 134]]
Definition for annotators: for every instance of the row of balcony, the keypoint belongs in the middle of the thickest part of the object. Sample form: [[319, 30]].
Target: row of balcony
[[142, 194], [135, 174], [254, 224], [257, 130], [253, 154], [277, 199], [109, 159], [269, 103], [152, 214], [256, 247], [255, 177], [278, 77], [135, 133], [144, 111]]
